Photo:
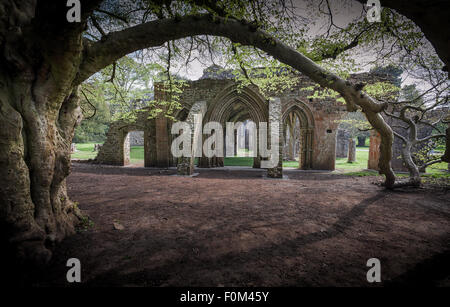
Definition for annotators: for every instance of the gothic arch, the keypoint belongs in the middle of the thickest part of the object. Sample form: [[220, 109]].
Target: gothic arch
[[306, 120], [235, 104], [221, 108]]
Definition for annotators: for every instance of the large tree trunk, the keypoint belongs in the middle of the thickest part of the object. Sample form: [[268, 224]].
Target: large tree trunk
[[35, 147], [39, 109]]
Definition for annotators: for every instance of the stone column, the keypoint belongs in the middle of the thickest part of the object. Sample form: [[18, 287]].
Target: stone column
[[275, 116], [351, 150], [257, 159], [126, 148], [301, 151], [235, 142], [291, 142], [306, 148], [342, 144], [186, 165], [150, 143], [162, 141]]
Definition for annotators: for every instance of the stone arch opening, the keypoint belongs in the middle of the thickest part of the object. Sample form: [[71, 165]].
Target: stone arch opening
[[234, 104], [121, 137], [134, 139], [298, 132]]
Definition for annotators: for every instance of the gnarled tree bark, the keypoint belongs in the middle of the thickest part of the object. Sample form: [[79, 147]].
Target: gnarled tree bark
[[40, 56]]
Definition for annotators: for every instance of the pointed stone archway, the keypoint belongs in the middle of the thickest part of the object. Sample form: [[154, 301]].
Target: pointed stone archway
[[235, 104], [299, 110]]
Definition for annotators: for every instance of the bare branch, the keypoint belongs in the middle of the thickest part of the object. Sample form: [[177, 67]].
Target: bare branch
[[434, 136], [89, 102], [431, 162], [97, 26], [401, 137], [112, 15], [113, 74]]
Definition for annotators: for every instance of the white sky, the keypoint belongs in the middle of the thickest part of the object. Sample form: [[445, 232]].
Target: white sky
[[343, 13]]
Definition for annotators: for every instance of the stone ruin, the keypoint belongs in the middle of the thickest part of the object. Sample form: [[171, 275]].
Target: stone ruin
[[223, 100]]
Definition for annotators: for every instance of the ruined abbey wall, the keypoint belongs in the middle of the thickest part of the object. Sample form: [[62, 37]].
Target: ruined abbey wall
[[226, 101]]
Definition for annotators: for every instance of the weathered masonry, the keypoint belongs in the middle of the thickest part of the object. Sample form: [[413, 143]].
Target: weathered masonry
[[222, 100]]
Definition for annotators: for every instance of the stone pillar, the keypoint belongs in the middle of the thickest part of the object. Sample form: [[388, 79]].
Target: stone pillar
[[235, 142], [186, 164], [374, 150], [307, 143], [351, 150], [342, 144], [246, 138], [301, 151], [257, 158], [162, 141], [275, 116], [126, 148], [291, 143], [150, 144]]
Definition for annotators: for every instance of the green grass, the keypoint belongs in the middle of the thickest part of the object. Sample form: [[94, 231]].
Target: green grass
[[437, 174], [136, 154], [85, 151], [248, 161], [290, 164], [361, 173], [438, 170], [238, 161], [362, 157]]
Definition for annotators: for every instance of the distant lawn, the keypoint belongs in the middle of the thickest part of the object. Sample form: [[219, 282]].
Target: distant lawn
[[438, 168], [290, 164], [248, 161], [362, 156], [136, 154], [238, 161], [86, 151]]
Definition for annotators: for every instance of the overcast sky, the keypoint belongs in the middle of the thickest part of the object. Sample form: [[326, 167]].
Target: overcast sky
[[344, 12]]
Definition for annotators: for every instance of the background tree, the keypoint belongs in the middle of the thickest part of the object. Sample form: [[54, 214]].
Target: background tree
[[419, 111], [96, 118]]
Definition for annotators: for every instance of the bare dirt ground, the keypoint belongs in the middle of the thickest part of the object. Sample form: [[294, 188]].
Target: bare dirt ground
[[235, 228]]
